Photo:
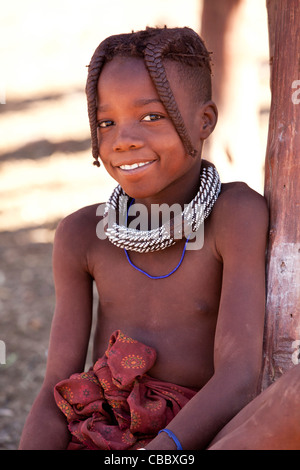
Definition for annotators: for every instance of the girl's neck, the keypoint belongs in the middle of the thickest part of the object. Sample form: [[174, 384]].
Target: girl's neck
[[180, 192]]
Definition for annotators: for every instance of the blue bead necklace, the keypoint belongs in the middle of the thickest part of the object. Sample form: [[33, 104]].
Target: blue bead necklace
[[144, 272]]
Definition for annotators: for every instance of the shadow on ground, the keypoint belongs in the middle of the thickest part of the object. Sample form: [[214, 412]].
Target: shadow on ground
[[27, 302]]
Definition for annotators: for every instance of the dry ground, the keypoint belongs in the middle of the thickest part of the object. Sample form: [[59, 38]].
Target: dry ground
[[40, 183]]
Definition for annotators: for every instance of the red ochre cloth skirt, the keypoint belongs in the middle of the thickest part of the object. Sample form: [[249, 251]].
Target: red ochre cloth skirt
[[116, 405]]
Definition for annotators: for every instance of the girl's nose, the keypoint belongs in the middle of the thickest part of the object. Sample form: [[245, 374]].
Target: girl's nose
[[127, 139]]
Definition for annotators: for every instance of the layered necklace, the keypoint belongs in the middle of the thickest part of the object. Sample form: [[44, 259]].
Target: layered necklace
[[181, 225]]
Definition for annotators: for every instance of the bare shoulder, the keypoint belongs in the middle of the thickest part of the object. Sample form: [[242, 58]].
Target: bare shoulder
[[77, 232], [238, 192], [79, 224], [240, 213], [239, 200]]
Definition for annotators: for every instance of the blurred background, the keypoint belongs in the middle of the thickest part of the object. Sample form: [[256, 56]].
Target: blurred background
[[46, 169]]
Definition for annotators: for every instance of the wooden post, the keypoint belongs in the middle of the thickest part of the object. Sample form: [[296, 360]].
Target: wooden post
[[282, 190]]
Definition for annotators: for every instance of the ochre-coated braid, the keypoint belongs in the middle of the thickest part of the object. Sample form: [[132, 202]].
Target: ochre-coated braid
[[153, 54], [95, 67]]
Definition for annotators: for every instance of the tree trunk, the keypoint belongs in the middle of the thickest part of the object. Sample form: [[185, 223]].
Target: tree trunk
[[282, 190]]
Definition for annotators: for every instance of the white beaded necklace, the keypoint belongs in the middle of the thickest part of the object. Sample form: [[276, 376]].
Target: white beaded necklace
[[160, 238]]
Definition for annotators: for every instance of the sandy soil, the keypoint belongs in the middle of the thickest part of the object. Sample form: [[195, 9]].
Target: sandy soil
[[41, 182]]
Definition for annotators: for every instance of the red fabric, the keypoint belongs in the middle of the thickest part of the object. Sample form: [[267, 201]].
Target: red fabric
[[116, 405]]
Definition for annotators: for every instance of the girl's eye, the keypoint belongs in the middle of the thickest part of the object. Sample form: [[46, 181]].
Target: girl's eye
[[152, 117], [105, 124]]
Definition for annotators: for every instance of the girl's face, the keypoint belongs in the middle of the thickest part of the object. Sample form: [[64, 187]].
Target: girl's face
[[138, 143]]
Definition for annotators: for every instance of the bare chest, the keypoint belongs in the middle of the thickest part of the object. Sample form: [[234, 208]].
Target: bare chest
[[175, 315]]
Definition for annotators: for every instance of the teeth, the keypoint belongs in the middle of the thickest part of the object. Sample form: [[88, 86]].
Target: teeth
[[133, 166]]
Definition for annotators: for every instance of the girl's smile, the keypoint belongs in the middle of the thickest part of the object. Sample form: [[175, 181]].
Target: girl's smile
[[134, 166]]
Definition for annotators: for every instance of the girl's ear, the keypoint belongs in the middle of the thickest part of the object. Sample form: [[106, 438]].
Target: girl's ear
[[208, 119]]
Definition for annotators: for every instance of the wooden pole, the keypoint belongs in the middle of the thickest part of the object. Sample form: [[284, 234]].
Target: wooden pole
[[282, 190]]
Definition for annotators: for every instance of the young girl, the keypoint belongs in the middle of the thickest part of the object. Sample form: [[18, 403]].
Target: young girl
[[178, 342]]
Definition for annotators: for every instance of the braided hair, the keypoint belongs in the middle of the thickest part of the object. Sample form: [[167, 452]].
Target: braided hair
[[153, 45]]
